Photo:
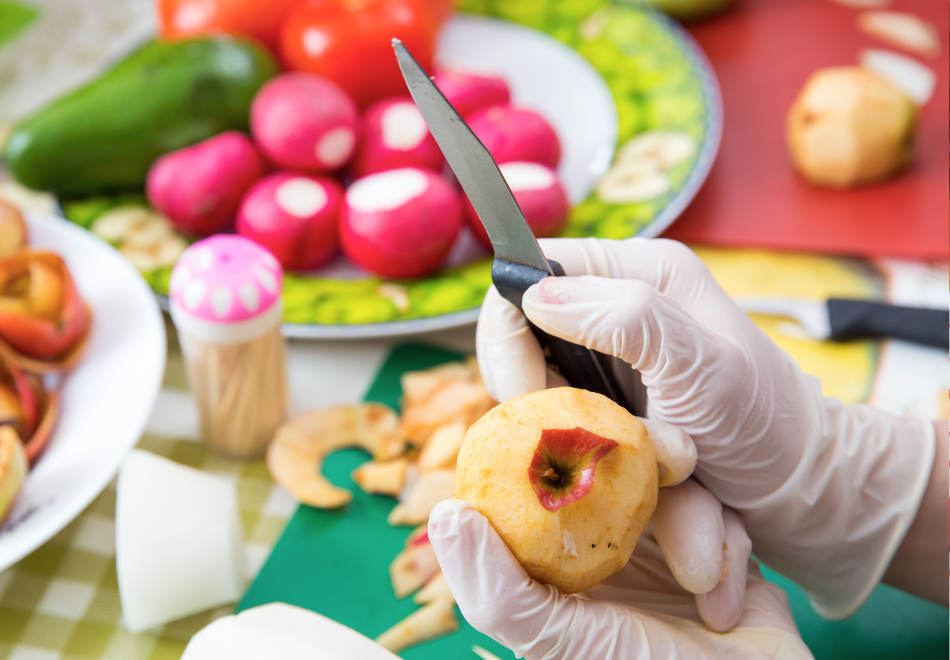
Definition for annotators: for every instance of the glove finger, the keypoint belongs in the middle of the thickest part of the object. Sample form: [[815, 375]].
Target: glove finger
[[721, 608], [688, 526], [509, 356], [668, 266], [491, 588], [637, 323], [674, 449]]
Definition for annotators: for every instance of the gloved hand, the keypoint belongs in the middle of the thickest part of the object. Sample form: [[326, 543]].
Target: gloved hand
[[826, 491], [641, 612]]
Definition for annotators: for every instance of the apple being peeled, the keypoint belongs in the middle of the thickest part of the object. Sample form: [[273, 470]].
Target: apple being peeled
[[511, 133], [294, 216], [400, 223], [470, 92], [567, 478], [539, 194], [395, 135]]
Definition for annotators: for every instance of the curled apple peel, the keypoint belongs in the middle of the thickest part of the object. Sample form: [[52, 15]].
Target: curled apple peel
[[43, 319]]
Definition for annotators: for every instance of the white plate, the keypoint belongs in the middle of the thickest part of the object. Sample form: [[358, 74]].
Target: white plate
[[105, 401]]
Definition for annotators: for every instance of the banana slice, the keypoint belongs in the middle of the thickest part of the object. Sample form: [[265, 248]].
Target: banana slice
[[164, 252], [630, 182], [115, 225], [664, 148]]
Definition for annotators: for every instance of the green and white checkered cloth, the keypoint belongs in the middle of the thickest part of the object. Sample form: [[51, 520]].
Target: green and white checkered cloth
[[62, 601]]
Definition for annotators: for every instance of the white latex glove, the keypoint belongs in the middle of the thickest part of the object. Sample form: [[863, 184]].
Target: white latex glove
[[826, 491], [639, 613]]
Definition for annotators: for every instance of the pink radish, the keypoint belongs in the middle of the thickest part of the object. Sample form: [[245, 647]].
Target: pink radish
[[470, 92], [294, 216], [539, 194], [512, 133], [400, 223], [200, 187], [305, 122], [395, 135]]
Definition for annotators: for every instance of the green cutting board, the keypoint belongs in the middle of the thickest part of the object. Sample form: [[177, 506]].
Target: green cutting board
[[337, 563]]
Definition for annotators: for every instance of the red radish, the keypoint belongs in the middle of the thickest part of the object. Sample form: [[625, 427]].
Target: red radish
[[512, 133], [400, 223], [470, 92], [305, 122], [200, 187], [539, 194], [395, 135], [296, 217]]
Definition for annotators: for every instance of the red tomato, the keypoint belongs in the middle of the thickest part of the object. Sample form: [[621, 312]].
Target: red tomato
[[440, 9], [257, 19], [350, 43]]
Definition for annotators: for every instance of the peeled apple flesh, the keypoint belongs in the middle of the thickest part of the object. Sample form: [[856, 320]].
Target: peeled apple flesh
[[850, 126], [567, 478], [179, 545]]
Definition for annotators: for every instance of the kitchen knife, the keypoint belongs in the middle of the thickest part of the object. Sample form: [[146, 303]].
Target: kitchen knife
[[840, 319], [519, 262]]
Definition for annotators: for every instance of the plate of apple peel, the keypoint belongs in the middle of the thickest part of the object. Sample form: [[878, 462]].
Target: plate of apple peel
[[453, 440], [77, 376]]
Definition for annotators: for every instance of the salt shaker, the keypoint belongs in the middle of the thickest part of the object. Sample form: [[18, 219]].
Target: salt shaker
[[225, 296]]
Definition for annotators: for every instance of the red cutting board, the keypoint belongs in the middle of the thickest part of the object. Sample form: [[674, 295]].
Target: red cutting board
[[763, 51]]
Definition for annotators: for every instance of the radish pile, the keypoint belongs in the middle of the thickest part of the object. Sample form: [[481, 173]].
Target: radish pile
[[318, 178]]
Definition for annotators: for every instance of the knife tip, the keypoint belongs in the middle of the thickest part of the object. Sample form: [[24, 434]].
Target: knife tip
[[396, 41]]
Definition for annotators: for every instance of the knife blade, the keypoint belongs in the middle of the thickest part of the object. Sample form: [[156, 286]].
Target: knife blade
[[843, 319], [519, 262]]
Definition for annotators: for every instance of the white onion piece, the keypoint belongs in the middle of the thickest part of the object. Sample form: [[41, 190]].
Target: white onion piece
[[178, 541], [278, 630], [905, 73]]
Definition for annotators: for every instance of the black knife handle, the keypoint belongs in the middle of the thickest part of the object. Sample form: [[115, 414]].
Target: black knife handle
[[854, 319], [582, 367]]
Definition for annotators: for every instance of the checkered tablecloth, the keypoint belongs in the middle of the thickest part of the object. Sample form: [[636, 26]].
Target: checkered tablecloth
[[62, 601]]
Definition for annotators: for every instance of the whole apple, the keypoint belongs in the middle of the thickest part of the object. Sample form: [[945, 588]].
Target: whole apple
[[567, 478], [400, 223], [294, 216]]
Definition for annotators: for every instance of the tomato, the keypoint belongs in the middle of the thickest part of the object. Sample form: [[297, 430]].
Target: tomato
[[350, 42], [440, 9], [257, 19]]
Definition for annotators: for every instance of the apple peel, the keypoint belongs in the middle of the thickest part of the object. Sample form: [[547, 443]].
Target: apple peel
[[382, 478], [437, 588], [562, 470], [434, 620], [295, 456]]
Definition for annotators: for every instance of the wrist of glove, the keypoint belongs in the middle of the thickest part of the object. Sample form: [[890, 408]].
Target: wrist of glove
[[826, 491]]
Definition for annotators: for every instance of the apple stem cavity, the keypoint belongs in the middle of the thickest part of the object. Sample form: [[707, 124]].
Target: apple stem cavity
[[563, 465]]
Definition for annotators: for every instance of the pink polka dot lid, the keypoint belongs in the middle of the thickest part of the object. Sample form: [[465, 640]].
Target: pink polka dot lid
[[225, 279]]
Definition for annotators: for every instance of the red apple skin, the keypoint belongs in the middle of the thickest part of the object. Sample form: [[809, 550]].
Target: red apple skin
[[410, 240], [200, 187], [305, 122], [375, 155], [545, 209], [301, 240], [511, 133], [471, 92]]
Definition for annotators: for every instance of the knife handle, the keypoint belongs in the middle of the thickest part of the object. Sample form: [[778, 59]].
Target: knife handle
[[583, 368], [854, 319]]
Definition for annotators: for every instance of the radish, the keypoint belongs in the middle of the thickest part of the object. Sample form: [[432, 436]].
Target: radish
[[296, 217], [539, 194], [400, 223], [470, 92], [200, 187], [395, 135], [511, 133], [305, 122]]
